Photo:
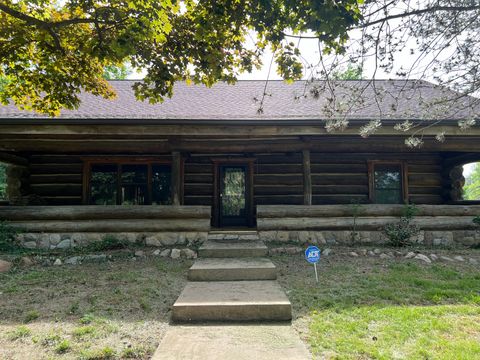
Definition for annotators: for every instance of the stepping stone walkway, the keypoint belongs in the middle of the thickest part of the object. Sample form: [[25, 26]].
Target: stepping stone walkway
[[232, 281]]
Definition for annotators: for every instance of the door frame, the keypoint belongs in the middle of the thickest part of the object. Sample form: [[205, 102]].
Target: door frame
[[217, 163]]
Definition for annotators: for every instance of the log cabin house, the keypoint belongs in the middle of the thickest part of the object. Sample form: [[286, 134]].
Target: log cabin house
[[209, 159]]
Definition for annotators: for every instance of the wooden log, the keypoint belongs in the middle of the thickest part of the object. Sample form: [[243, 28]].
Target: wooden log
[[278, 168], [56, 168], [340, 199], [340, 179], [198, 200], [340, 189], [55, 189], [279, 200], [307, 179], [277, 190], [277, 179], [365, 210], [360, 167], [177, 179], [98, 212], [56, 178], [362, 223], [114, 225], [13, 159], [62, 200], [198, 189]]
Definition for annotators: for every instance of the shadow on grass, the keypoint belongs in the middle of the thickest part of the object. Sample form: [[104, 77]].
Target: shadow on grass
[[129, 289]]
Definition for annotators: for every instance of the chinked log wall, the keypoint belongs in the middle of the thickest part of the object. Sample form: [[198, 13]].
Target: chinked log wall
[[48, 226], [97, 218], [439, 224], [336, 178]]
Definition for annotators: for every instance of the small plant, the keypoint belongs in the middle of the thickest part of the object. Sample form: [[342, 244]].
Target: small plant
[[476, 220], [85, 331], [8, 241], [109, 242], [98, 354], [19, 333], [356, 211], [134, 353], [87, 319], [401, 233], [63, 347], [31, 315]]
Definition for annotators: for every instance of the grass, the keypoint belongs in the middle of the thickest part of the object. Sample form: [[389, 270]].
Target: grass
[[109, 310], [368, 308], [362, 308]]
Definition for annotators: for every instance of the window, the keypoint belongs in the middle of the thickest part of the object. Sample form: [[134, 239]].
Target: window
[[128, 183], [387, 183]]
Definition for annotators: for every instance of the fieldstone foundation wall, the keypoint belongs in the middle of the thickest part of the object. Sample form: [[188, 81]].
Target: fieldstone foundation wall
[[60, 241], [344, 237]]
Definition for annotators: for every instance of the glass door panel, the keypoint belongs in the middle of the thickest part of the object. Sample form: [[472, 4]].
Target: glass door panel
[[233, 196]]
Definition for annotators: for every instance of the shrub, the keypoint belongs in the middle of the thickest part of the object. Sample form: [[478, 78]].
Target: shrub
[[8, 241], [401, 233], [109, 242], [476, 220]]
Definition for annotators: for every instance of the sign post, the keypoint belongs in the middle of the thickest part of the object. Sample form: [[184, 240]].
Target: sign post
[[312, 255]]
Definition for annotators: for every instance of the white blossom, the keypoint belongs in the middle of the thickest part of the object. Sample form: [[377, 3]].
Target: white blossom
[[413, 142]]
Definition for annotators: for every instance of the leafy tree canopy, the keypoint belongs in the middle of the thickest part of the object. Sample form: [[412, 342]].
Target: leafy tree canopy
[[351, 72], [51, 50], [472, 184], [113, 72]]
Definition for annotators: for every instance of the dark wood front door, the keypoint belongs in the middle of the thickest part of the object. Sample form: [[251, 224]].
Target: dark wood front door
[[233, 197]]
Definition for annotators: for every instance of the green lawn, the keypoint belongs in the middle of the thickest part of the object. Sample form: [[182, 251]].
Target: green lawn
[[368, 308], [362, 308]]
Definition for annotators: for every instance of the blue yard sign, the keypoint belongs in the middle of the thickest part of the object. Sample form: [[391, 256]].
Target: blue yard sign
[[312, 255]]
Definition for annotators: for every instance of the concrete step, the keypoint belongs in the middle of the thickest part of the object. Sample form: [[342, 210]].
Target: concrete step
[[218, 269], [233, 235], [232, 249], [232, 301]]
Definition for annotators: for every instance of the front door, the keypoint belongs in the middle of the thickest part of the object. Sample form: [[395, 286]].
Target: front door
[[234, 206]]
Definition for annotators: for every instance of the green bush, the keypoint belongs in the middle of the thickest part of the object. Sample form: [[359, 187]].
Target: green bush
[[476, 220], [401, 233], [109, 242], [8, 234]]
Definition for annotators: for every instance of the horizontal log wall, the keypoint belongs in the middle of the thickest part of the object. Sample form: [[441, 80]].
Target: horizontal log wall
[[278, 179], [107, 218], [57, 179], [343, 178], [369, 217], [337, 178]]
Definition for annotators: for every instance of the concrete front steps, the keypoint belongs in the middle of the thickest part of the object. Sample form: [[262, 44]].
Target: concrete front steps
[[233, 269], [232, 249], [232, 301], [232, 281]]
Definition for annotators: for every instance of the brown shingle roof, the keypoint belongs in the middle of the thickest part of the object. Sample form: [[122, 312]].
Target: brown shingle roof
[[396, 99]]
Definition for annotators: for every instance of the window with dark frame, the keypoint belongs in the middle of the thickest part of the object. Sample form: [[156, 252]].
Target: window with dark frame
[[387, 183], [129, 184]]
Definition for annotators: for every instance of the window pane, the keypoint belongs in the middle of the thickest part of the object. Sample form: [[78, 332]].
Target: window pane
[[134, 184], [103, 184], [134, 174], [161, 185], [388, 184], [233, 197]]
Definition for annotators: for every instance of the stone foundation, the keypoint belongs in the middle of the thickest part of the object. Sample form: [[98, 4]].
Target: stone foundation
[[61, 241], [343, 237]]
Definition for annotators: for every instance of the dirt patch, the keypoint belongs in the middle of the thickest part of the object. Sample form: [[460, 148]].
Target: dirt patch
[[116, 309]]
